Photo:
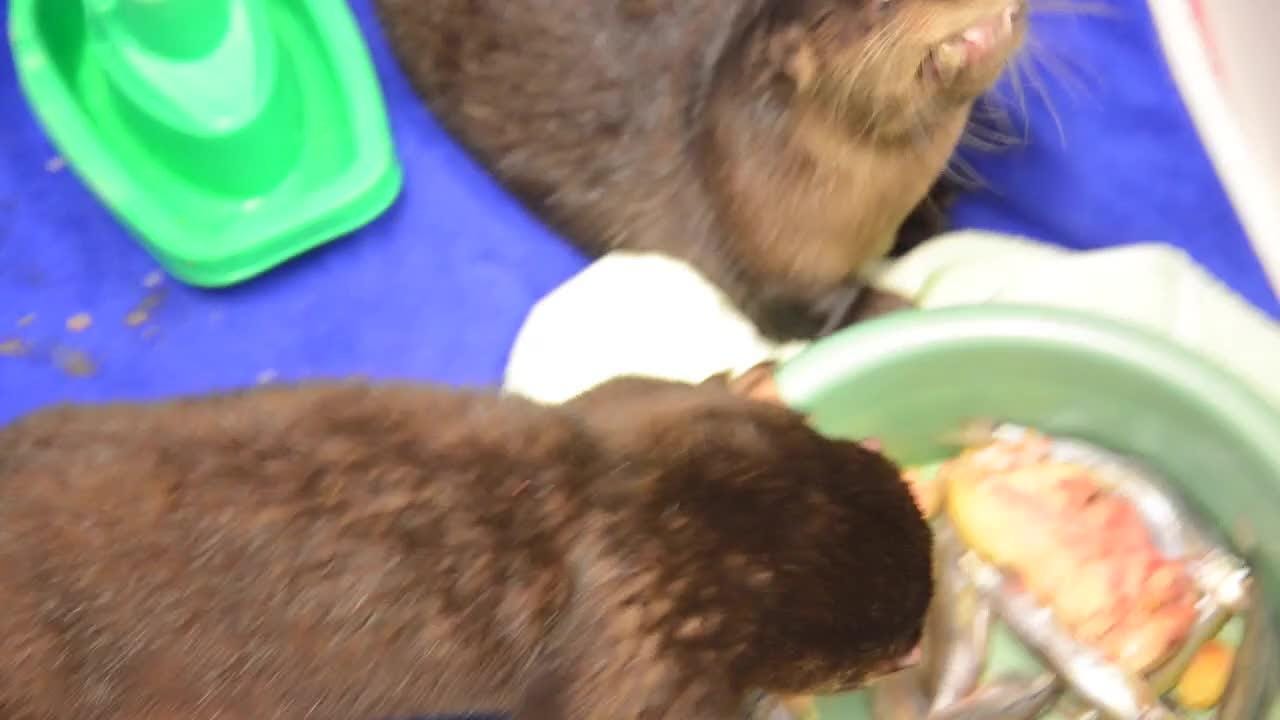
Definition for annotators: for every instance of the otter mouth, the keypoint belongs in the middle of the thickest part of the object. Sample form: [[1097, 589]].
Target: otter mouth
[[976, 45]]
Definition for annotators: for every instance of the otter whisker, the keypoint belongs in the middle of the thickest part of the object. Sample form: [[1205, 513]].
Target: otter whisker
[[1072, 78], [980, 137], [1020, 96], [1038, 84]]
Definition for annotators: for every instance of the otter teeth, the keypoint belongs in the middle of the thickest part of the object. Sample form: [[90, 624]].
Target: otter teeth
[[980, 36], [973, 43], [984, 35]]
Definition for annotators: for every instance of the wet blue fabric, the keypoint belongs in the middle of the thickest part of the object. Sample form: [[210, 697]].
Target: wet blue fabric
[[437, 288]]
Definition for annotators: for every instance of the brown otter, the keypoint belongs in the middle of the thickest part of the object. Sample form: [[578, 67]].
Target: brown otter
[[347, 551], [776, 145]]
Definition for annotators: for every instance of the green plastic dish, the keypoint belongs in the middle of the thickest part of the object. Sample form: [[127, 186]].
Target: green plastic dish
[[909, 378], [228, 135]]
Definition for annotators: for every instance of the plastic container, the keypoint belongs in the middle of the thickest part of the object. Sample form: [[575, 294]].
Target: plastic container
[[229, 135], [909, 378], [1224, 58]]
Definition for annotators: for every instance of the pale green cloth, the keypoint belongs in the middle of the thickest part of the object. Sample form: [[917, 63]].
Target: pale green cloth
[[649, 315]]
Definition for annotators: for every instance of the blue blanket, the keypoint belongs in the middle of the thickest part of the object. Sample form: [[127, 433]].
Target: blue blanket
[[437, 288]]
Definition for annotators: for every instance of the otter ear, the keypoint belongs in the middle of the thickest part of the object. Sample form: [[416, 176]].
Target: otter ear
[[791, 52]]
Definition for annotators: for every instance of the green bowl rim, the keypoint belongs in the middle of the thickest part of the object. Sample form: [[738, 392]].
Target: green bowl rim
[[803, 379]]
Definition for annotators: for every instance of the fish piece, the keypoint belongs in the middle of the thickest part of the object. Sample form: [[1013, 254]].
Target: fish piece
[[958, 627], [1077, 547], [1103, 684], [1174, 529], [1225, 578], [1212, 618], [899, 697], [1202, 685], [1255, 680], [926, 490], [1010, 697]]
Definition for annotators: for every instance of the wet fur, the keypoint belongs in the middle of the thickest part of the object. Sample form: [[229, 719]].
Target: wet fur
[[343, 551], [733, 134]]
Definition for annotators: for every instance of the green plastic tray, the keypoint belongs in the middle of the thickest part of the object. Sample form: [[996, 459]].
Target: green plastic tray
[[228, 135]]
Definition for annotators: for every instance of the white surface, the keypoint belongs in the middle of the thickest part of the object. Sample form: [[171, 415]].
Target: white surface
[[630, 314], [648, 315], [1237, 115]]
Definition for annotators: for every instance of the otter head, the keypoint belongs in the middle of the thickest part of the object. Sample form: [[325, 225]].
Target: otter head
[[798, 560], [888, 69]]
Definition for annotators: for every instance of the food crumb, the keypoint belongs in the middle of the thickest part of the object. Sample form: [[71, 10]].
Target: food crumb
[[1205, 681], [153, 279], [79, 322], [13, 348], [54, 164], [75, 363], [142, 313], [267, 377], [26, 320]]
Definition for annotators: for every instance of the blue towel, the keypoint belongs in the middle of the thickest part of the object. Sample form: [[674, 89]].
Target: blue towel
[[437, 288]]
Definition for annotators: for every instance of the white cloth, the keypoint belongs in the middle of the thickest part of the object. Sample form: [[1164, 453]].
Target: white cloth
[[650, 315]]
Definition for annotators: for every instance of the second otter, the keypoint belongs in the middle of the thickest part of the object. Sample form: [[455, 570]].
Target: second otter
[[776, 145]]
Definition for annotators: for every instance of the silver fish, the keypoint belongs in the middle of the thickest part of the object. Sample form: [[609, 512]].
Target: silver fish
[[1011, 697], [958, 627], [899, 697], [1072, 707], [1255, 677], [1098, 681]]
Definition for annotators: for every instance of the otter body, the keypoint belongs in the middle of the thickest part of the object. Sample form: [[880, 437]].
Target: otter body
[[776, 145], [341, 551]]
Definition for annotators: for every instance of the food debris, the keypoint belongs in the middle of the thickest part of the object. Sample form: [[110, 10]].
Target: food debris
[[1075, 563], [1205, 680], [79, 322], [26, 320], [1078, 549], [153, 279], [925, 489], [54, 164], [75, 363], [14, 348], [142, 313]]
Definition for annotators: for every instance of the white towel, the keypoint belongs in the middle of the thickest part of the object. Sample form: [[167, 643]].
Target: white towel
[[649, 315]]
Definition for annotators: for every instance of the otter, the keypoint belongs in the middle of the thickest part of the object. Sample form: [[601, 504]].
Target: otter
[[342, 550], [777, 146]]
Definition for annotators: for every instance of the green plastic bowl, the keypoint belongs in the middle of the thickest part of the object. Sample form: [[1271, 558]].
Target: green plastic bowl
[[910, 378]]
